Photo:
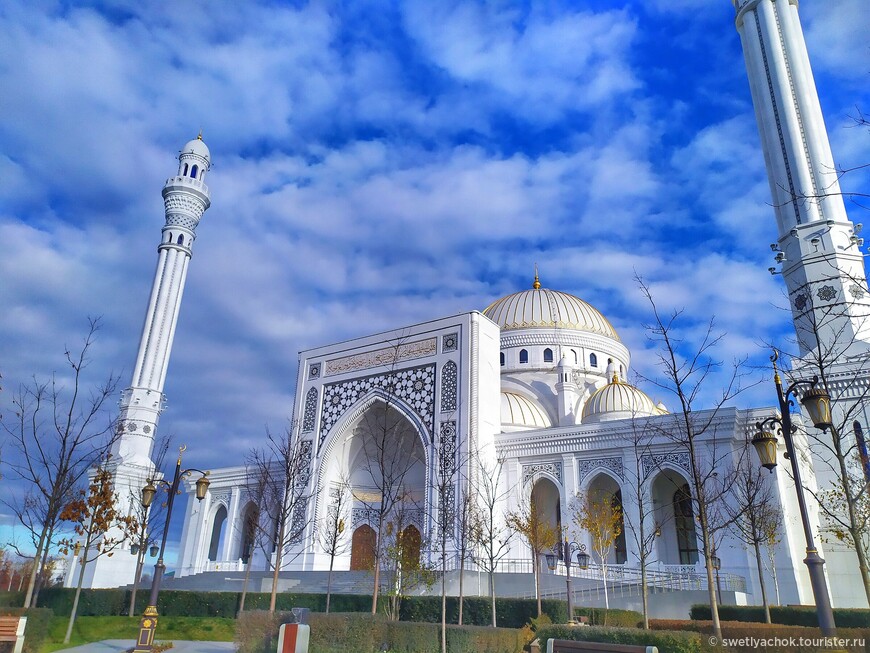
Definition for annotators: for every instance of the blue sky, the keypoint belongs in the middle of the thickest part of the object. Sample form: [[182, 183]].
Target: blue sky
[[379, 164]]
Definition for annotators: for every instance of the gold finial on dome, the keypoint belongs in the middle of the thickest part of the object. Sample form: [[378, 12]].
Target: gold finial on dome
[[536, 284], [615, 378], [199, 136]]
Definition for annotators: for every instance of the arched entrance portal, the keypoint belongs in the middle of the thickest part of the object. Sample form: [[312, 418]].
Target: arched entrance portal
[[675, 519], [547, 502], [362, 551], [410, 541], [603, 489], [249, 530], [217, 532]]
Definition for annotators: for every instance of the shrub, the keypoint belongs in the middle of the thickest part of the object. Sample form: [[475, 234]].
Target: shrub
[[36, 630], [11, 599], [667, 641], [785, 615], [611, 617], [748, 630]]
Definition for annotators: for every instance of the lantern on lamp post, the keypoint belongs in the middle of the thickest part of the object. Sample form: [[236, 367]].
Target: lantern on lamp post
[[817, 403]]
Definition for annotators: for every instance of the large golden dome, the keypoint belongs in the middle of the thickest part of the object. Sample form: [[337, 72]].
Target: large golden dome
[[548, 309]]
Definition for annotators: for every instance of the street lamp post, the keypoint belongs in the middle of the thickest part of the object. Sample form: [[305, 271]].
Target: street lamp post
[[148, 625], [568, 548], [818, 405]]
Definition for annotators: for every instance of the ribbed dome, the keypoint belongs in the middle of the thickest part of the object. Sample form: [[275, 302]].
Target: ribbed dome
[[617, 400], [548, 309], [519, 411]]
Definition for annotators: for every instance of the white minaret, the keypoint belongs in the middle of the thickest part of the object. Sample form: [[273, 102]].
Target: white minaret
[[818, 245], [185, 198]]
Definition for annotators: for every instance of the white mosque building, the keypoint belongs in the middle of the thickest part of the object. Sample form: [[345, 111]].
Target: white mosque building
[[534, 386]]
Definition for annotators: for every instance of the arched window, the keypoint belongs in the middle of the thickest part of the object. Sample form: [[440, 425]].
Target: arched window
[[593, 360], [524, 356], [181, 239], [193, 171], [217, 533], [501, 358], [548, 355], [185, 170], [684, 520]]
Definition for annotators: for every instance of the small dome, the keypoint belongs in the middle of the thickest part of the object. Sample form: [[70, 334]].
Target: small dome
[[549, 309], [618, 400], [196, 146], [518, 411]]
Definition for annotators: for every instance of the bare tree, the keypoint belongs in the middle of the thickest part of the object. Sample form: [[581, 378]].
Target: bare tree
[[59, 429], [644, 526], [284, 465], [330, 531], [444, 520], [390, 453], [94, 514], [468, 524], [755, 515], [255, 533], [489, 531], [687, 370], [539, 533]]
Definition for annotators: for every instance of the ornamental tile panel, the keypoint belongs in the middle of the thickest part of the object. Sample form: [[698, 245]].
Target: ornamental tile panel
[[449, 385], [310, 414], [414, 386], [656, 461]]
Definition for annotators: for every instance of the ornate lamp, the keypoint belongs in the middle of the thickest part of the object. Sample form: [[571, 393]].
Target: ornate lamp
[[583, 557], [154, 550], [715, 562], [551, 561], [134, 549], [818, 404], [148, 493], [202, 487], [765, 446]]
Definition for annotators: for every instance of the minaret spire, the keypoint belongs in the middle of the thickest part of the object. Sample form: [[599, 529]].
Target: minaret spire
[[818, 246]]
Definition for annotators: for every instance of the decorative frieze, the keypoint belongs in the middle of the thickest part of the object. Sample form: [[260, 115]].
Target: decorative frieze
[[553, 469], [613, 464], [651, 462], [381, 357], [310, 414]]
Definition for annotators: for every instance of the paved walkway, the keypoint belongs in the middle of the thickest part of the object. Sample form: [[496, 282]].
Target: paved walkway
[[118, 645]]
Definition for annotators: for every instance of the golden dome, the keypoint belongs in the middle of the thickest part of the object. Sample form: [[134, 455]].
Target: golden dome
[[519, 411], [548, 309], [618, 400]]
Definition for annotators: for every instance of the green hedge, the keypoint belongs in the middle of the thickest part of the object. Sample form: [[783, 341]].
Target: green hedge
[[510, 613], [667, 641], [256, 632], [785, 615], [36, 630], [611, 617]]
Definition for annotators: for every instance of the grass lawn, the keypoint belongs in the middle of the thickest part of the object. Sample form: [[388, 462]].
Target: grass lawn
[[95, 629]]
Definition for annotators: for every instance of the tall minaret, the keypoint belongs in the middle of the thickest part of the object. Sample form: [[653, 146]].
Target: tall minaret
[[818, 246], [185, 198]]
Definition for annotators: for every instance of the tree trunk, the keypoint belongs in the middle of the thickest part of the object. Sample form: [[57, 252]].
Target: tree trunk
[[443, 603], [329, 579], [461, 591], [606, 598], [245, 586], [492, 592], [136, 579], [377, 573], [31, 582], [279, 549], [537, 584], [760, 566], [644, 590], [40, 578], [75, 605]]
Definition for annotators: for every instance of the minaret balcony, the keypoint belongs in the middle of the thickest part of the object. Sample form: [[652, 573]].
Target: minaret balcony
[[187, 181]]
